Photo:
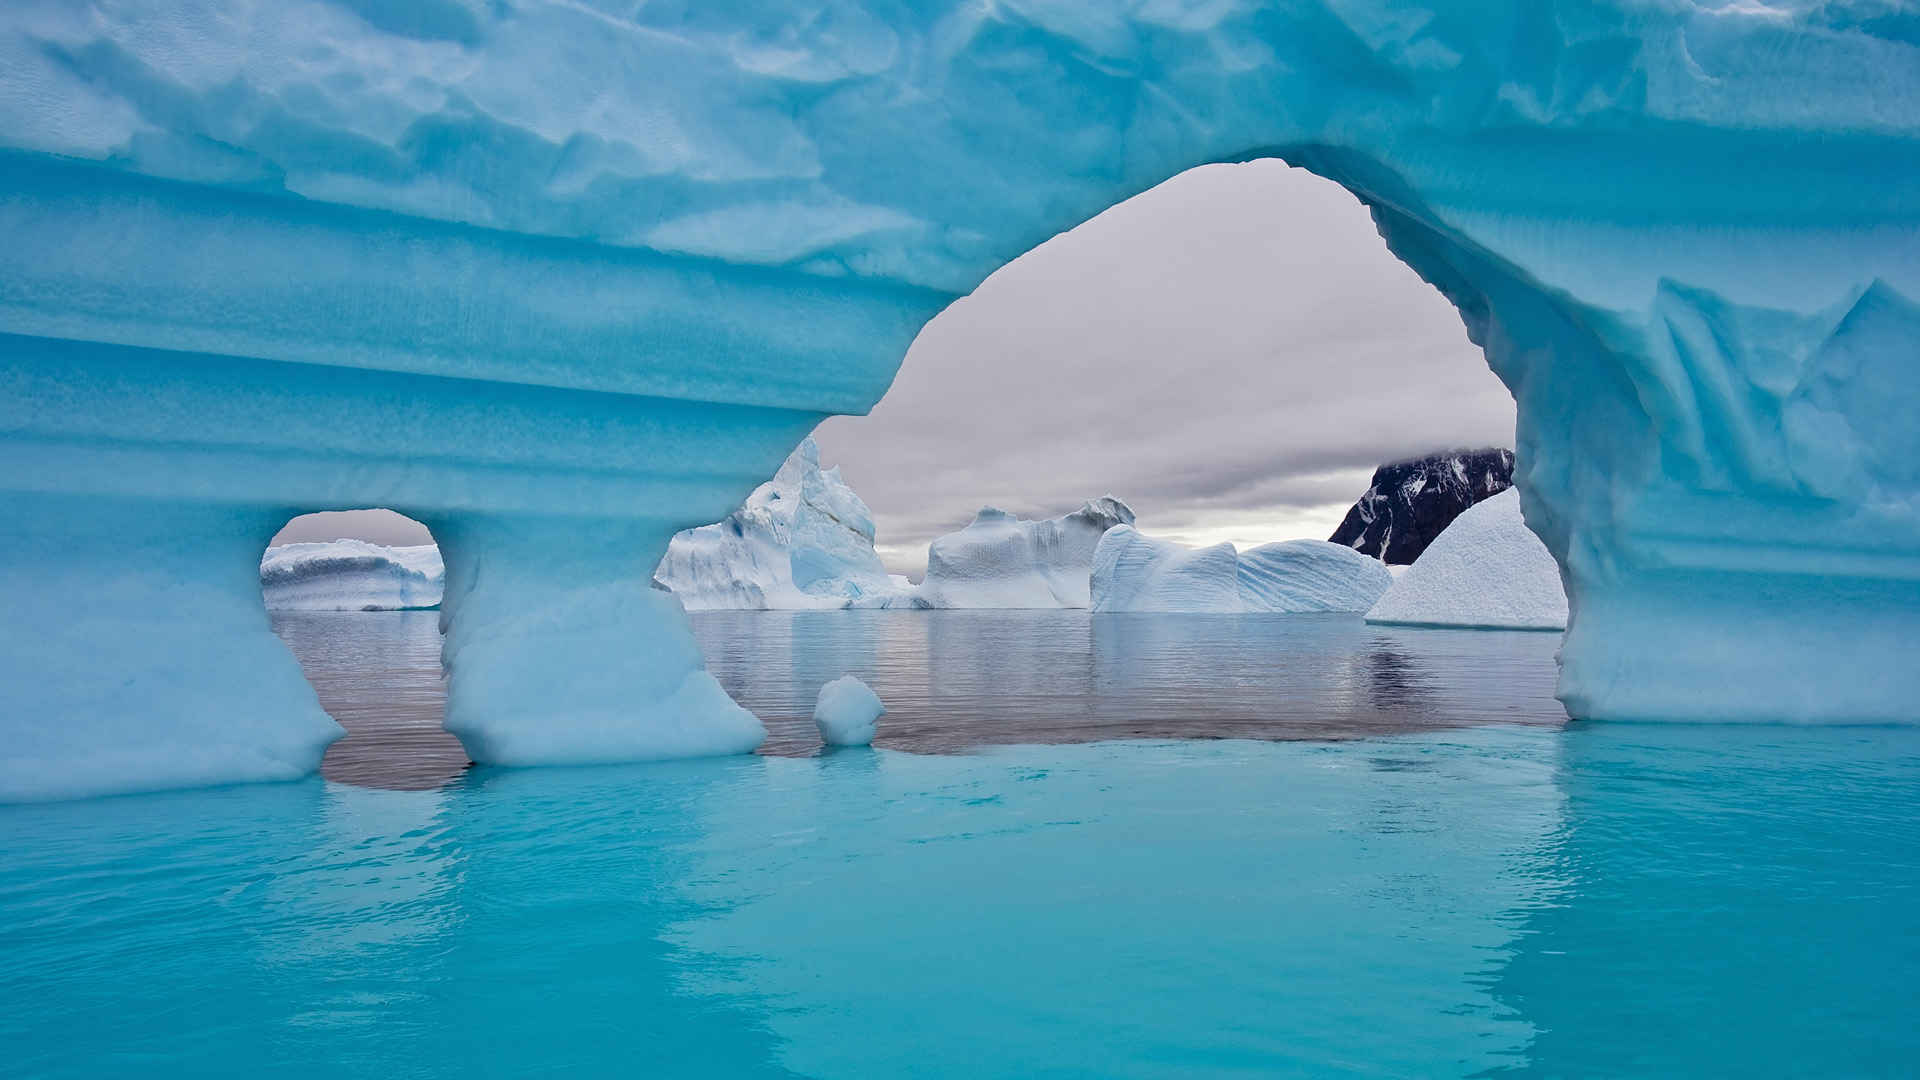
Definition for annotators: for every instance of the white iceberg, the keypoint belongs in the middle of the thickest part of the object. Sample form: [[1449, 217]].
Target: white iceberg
[[351, 575], [847, 712], [802, 540], [1486, 570], [1001, 561], [1135, 572]]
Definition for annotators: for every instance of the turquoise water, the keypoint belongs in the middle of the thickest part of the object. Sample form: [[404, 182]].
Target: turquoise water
[[1507, 899]]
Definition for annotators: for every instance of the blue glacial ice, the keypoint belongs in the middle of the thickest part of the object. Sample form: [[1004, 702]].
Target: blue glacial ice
[[351, 575], [1003, 561], [1486, 570], [1136, 572], [802, 540], [561, 281]]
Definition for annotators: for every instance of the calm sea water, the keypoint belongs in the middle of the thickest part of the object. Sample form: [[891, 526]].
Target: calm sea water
[[378, 673], [956, 680], [1459, 899]]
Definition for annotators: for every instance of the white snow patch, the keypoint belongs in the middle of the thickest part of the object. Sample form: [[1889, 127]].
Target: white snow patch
[[1135, 572], [1487, 570]]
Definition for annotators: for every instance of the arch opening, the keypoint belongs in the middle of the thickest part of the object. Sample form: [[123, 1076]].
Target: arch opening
[[1233, 352], [355, 597], [1241, 320]]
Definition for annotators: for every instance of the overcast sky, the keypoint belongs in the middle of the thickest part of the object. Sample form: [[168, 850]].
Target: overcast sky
[[1231, 353]]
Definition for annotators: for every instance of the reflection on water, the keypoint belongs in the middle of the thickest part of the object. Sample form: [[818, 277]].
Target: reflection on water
[[953, 680], [378, 674], [1596, 900]]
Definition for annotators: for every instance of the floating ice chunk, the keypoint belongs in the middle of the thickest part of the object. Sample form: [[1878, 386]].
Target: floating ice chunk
[[1134, 572], [848, 712], [1486, 570], [351, 575], [801, 540], [1001, 561]]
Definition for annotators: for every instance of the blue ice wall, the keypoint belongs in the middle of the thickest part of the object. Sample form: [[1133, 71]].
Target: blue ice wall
[[581, 274]]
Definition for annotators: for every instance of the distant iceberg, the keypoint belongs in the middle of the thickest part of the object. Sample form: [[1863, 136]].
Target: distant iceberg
[[1487, 570], [1001, 561], [1135, 572], [801, 540], [351, 575]]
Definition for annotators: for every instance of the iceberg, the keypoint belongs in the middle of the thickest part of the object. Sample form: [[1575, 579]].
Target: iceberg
[[801, 540], [847, 712], [1409, 503], [1135, 572], [351, 575], [560, 281], [1486, 571], [1002, 561]]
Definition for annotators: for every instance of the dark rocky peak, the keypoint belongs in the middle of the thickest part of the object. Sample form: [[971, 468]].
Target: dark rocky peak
[[1410, 502]]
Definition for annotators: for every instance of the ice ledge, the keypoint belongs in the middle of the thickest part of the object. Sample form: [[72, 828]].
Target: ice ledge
[[248, 275]]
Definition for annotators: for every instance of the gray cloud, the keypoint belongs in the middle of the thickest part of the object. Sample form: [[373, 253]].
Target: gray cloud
[[1232, 353], [373, 526]]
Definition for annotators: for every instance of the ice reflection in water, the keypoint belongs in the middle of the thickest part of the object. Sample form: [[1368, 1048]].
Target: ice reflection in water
[[953, 680], [378, 674]]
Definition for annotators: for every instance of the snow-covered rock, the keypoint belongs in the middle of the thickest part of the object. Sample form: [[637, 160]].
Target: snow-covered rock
[[351, 575], [1486, 570], [847, 712], [1001, 561], [1411, 502], [802, 540], [1135, 572]]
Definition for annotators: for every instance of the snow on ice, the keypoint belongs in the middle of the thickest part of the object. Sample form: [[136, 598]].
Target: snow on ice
[[351, 575], [1486, 570], [1135, 572], [1001, 561]]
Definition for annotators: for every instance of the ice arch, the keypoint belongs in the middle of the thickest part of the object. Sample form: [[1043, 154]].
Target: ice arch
[[561, 278]]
